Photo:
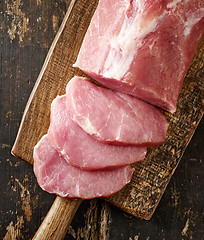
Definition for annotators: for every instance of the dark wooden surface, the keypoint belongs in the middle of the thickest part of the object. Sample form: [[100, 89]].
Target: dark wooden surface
[[142, 195], [27, 29]]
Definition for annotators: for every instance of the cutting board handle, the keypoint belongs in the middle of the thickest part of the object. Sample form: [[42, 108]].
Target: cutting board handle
[[56, 223]]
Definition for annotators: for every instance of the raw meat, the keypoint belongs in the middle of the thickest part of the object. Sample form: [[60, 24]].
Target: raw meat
[[82, 150], [143, 47], [114, 117], [55, 175]]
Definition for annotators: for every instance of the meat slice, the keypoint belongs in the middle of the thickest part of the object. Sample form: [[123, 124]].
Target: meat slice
[[114, 117], [143, 47], [82, 150], [55, 175]]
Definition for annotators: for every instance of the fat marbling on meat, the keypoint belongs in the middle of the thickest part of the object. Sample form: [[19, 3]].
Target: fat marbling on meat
[[55, 175], [113, 117], [143, 47], [82, 150]]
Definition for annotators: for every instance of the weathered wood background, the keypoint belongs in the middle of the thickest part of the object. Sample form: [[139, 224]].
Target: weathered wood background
[[27, 29]]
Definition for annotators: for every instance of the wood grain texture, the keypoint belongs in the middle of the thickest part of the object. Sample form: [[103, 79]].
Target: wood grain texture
[[154, 173], [58, 219], [151, 177]]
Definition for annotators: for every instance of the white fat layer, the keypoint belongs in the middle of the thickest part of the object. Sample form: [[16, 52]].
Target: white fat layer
[[120, 128], [123, 46], [65, 156], [173, 3], [88, 126], [192, 20], [77, 189]]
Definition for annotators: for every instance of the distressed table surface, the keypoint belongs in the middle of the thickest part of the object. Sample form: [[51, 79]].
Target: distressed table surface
[[27, 29]]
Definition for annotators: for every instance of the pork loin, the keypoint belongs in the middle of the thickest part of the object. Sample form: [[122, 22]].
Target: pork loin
[[114, 117], [143, 47], [55, 175], [82, 150]]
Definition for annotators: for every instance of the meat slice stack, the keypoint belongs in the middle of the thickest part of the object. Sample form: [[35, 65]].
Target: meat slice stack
[[55, 175], [90, 143], [82, 150]]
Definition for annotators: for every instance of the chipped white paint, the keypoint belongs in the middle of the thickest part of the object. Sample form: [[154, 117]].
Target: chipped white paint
[[14, 231], [72, 232], [185, 229], [39, 2], [137, 237], [55, 23], [19, 24], [26, 200]]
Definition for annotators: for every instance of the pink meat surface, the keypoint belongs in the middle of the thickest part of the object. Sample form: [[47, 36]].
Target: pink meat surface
[[55, 175], [114, 117], [143, 47], [82, 150]]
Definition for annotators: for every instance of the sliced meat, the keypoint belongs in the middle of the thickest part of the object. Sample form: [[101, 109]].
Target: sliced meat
[[82, 150], [114, 117], [143, 47], [55, 175]]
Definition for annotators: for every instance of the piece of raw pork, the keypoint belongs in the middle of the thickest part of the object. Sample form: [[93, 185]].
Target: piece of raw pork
[[82, 150], [55, 175], [114, 117], [143, 47]]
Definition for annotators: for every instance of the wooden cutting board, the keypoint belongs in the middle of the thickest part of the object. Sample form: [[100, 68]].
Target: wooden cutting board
[[141, 197]]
